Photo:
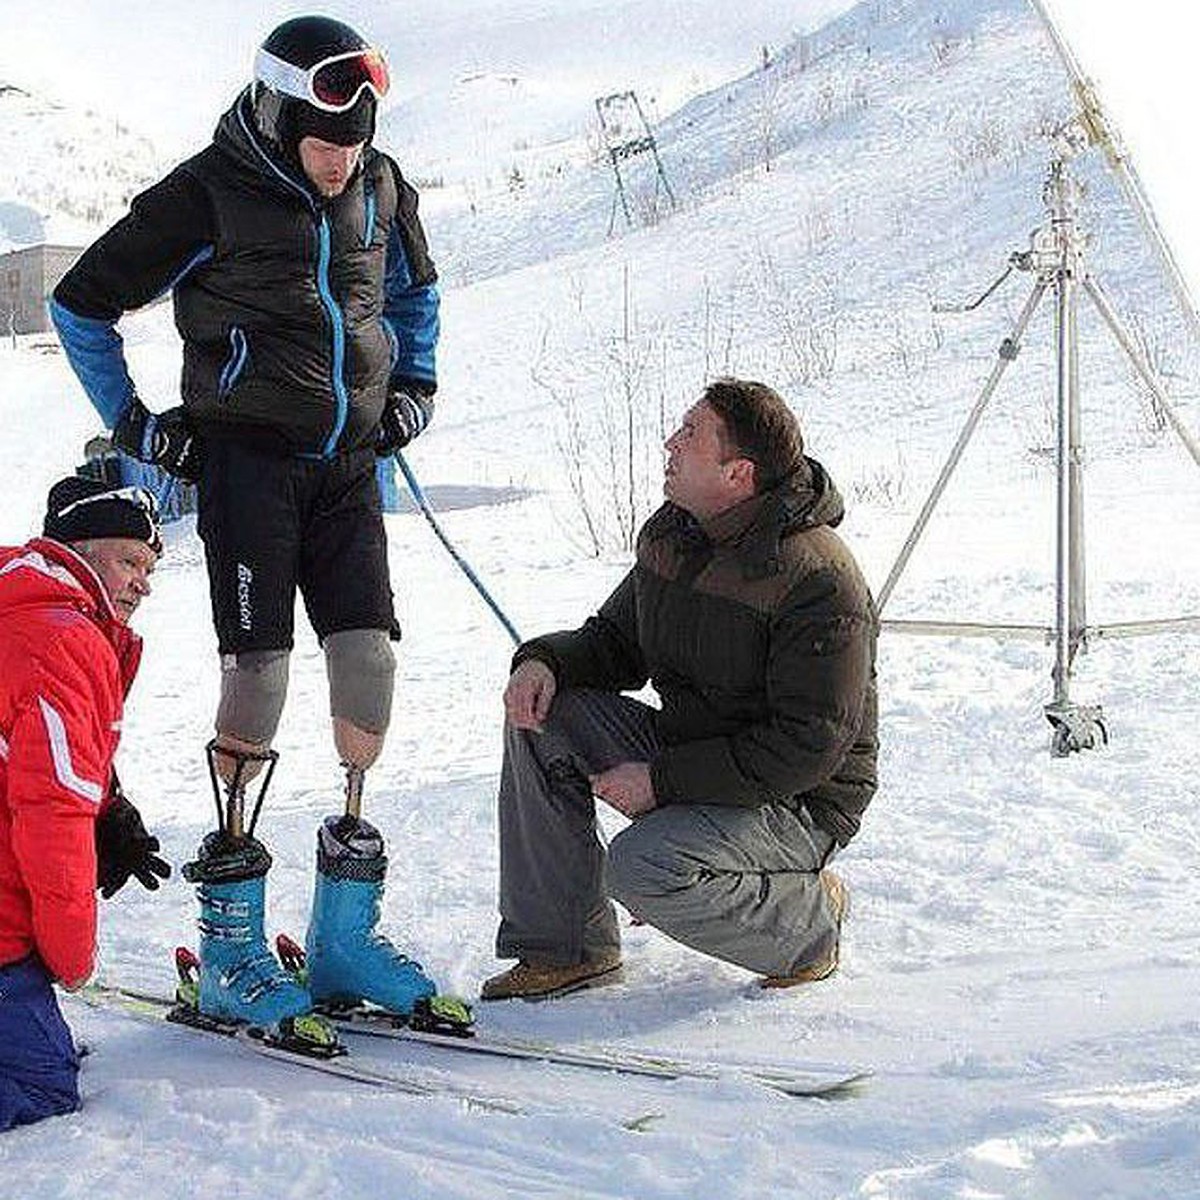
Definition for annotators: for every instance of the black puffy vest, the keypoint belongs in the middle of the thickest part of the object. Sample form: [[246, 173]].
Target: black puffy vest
[[283, 323]]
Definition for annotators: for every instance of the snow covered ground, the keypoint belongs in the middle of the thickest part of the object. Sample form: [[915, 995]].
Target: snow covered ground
[[1021, 962]]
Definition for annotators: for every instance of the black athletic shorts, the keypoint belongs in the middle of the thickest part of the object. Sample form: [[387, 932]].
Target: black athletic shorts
[[271, 524]]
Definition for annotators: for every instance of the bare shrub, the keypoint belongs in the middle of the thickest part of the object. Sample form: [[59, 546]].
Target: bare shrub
[[978, 149], [611, 425], [883, 484], [769, 81], [718, 330], [805, 318]]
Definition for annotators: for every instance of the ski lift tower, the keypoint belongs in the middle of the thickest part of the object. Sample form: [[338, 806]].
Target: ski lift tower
[[627, 135]]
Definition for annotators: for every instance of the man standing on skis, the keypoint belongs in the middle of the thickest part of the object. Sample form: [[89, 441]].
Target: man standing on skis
[[749, 616], [307, 304], [67, 659]]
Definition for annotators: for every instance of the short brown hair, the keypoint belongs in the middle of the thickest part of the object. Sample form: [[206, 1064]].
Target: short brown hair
[[759, 426]]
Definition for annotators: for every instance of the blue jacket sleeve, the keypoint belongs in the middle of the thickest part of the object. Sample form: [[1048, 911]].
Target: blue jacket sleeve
[[411, 300], [412, 314], [166, 234], [95, 351]]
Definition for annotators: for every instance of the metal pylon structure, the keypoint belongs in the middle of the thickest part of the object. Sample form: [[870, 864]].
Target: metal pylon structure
[[1056, 261], [627, 135]]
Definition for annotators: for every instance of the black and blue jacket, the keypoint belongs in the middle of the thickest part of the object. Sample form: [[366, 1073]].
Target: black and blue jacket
[[296, 311]]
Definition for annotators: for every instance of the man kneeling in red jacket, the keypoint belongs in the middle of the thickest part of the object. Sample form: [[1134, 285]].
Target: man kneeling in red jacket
[[67, 659]]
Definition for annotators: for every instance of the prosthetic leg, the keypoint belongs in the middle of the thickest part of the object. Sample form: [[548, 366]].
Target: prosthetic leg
[[237, 978], [349, 961]]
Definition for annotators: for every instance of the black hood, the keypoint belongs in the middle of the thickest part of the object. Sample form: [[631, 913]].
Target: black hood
[[237, 135], [808, 498], [805, 499]]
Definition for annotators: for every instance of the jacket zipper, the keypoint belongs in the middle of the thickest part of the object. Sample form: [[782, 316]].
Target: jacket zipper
[[340, 394], [235, 364], [369, 215], [338, 332]]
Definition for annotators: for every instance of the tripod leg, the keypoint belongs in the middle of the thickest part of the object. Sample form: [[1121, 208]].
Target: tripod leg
[[1069, 593], [1009, 349], [1076, 726], [1143, 368]]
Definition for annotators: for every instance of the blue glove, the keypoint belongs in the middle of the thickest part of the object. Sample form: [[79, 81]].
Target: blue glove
[[405, 415], [163, 439]]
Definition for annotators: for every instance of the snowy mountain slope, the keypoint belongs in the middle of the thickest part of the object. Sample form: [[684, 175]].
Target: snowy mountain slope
[[821, 274], [70, 172], [880, 85], [1021, 961], [456, 66], [526, 75]]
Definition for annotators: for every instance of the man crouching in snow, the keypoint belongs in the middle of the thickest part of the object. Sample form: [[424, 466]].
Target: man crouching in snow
[[751, 620], [67, 660]]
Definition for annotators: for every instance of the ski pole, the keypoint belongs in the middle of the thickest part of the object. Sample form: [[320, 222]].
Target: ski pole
[[164, 497], [465, 567]]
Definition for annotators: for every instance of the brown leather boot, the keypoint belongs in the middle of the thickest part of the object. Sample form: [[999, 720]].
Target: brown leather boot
[[839, 899], [531, 981]]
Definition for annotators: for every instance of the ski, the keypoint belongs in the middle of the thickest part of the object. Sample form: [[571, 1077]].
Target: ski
[[154, 1009], [820, 1082], [811, 1082], [431, 1025]]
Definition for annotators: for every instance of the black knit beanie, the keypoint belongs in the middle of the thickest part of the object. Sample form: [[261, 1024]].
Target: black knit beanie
[[78, 509]]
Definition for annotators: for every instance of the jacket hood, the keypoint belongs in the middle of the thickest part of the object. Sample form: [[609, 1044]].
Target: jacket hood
[[805, 499], [237, 135], [44, 572]]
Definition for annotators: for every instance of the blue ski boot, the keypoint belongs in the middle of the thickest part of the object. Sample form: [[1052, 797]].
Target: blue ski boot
[[240, 979], [348, 960]]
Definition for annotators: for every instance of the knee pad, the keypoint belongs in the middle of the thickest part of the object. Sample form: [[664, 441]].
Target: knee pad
[[361, 665], [253, 689]]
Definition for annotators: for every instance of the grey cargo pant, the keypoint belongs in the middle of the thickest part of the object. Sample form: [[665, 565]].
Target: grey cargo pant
[[738, 883]]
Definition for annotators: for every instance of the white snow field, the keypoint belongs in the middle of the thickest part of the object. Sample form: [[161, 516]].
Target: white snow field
[[1020, 966]]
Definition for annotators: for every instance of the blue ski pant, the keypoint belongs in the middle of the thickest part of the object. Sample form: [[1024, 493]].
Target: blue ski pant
[[39, 1068]]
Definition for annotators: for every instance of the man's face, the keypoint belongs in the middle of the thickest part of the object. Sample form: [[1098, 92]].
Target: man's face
[[328, 165], [124, 566], [703, 473]]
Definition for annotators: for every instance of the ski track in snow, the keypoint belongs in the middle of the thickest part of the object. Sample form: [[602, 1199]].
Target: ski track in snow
[[1021, 959]]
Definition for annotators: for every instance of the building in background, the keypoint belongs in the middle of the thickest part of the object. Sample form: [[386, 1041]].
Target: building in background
[[27, 277]]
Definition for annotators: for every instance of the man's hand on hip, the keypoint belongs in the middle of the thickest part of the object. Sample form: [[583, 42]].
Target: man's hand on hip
[[529, 694], [163, 439], [627, 787]]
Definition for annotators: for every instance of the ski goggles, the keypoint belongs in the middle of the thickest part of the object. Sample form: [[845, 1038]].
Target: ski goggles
[[333, 85]]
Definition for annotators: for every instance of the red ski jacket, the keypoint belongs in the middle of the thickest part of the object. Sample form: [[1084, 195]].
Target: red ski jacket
[[66, 664]]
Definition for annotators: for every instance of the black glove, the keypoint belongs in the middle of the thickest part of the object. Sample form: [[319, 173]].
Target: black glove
[[405, 414], [163, 439], [124, 848]]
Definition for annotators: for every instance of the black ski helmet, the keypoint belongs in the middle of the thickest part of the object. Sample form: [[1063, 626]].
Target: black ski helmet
[[314, 76]]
